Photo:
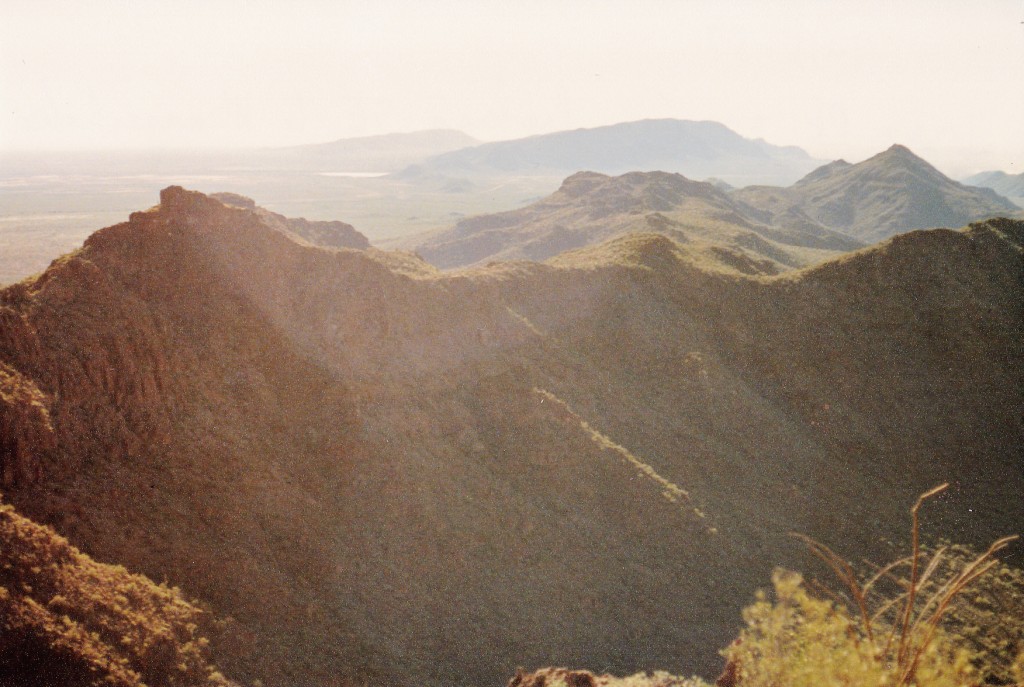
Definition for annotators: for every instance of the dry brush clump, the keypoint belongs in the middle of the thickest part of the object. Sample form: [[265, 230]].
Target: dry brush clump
[[909, 623]]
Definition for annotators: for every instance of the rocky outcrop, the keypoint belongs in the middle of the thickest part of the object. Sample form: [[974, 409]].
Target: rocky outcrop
[[562, 677], [235, 199], [26, 435], [329, 234], [553, 677]]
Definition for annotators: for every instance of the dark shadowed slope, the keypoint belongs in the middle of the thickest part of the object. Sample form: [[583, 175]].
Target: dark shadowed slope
[[696, 149], [389, 474], [590, 208], [892, 192], [68, 620]]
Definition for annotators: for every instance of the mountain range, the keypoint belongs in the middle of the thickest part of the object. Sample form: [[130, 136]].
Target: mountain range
[[1009, 185], [891, 192], [835, 208], [372, 471], [383, 153], [696, 149], [590, 208]]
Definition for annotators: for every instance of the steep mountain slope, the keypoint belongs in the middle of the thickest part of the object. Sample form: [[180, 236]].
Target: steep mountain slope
[[590, 208], [892, 192], [388, 474], [1009, 185], [67, 620], [696, 149]]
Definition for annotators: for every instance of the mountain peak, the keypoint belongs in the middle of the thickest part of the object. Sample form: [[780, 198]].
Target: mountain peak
[[825, 171], [175, 199], [889, 193], [206, 213], [582, 183], [899, 148], [902, 155], [339, 435]]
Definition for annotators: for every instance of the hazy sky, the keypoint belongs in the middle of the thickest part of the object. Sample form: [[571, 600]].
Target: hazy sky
[[841, 79]]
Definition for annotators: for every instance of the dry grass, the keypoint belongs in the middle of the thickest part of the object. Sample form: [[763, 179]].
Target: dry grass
[[889, 629]]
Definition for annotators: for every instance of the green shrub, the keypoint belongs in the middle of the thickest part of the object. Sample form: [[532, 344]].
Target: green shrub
[[900, 626], [800, 640]]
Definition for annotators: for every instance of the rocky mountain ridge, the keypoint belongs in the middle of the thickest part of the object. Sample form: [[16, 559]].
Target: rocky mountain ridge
[[328, 234], [385, 473], [892, 192], [590, 208], [1009, 185], [68, 620]]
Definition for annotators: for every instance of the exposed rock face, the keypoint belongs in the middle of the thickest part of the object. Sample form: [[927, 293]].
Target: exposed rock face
[[562, 677], [235, 199], [26, 435], [389, 474], [330, 234]]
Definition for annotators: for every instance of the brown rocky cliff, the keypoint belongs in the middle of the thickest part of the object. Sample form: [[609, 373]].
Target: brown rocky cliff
[[186, 430], [252, 418], [26, 435]]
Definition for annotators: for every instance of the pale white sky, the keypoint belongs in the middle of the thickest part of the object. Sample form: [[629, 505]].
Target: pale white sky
[[841, 79]]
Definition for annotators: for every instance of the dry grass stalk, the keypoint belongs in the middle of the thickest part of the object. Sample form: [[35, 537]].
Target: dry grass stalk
[[913, 629]]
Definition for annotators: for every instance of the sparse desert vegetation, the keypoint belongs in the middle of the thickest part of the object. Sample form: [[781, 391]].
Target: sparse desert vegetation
[[939, 617], [67, 620], [926, 619]]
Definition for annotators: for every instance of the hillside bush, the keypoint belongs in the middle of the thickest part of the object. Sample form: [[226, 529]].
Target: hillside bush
[[910, 623], [66, 619]]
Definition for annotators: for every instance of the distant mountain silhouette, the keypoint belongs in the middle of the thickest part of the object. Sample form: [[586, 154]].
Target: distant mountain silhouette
[[695, 149], [890, 193], [386, 474], [590, 208], [385, 153], [1009, 185]]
